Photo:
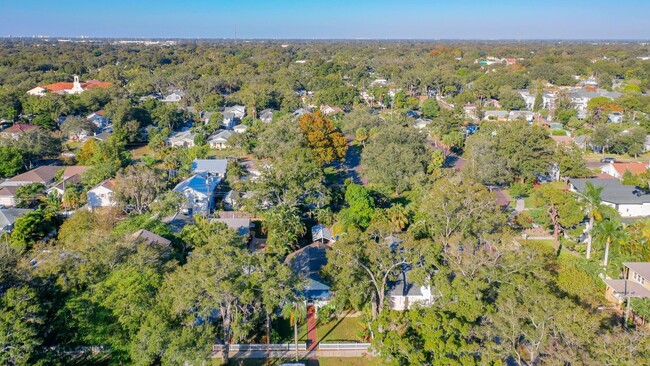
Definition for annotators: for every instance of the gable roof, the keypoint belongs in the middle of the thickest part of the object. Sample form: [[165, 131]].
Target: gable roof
[[42, 174], [73, 170], [634, 168], [108, 184], [308, 262], [241, 226], [8, 191], [8, 216], [20, 128], [199, 183], [403, 286], [613, 191], [220, 135], [150, 237], [642, 268], [211, 166]]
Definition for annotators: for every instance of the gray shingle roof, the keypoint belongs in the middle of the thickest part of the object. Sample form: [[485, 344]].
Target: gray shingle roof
[[613, 191]]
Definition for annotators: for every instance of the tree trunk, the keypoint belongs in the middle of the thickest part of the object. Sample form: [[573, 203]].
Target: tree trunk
[[373, 303], [589, 236], [295, 330], [226, 334], [606, 252], [268, 335]]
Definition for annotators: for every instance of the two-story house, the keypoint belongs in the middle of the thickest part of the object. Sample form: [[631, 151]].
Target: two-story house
[[634, 284]]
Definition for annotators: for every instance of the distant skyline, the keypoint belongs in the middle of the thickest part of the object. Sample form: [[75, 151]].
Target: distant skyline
[[379, 19]]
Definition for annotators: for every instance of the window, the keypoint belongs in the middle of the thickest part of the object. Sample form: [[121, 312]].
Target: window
[[639, 279]]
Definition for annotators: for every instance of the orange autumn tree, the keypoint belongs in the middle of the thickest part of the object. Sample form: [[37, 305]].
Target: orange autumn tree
[[327, 142]]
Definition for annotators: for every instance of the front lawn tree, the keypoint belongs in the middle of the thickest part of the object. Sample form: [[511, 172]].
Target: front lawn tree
[[138, 185], [326, 141], [562, 209]]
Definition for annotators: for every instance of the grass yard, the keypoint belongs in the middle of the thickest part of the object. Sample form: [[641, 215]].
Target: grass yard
[[340, 330], [285, 330], [139, 151], [622, 158]]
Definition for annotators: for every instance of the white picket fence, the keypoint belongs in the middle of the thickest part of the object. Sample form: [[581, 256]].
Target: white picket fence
[[261, 347], [292, 347], [343, 346]]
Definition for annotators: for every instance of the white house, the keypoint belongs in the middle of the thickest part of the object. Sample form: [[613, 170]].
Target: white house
[[181, 139], [232, 115], [240, 128], [219, 139], [98, 118], [211, 167], [627, 200], [405, 293], [617, 170], [174, 97], [199, 191], [8, 196], [101, 195], [266, 115]]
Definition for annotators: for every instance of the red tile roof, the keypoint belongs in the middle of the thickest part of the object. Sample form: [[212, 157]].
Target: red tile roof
[[60, 86], [64, 85], [21, 128], [634, 168]]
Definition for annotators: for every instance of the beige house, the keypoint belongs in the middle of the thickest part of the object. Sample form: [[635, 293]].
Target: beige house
[[635, 282]]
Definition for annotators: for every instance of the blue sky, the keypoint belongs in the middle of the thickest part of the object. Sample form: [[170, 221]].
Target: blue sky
[[350, 19]]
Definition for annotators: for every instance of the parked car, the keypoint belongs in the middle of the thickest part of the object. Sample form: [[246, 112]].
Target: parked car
[[607, 160]]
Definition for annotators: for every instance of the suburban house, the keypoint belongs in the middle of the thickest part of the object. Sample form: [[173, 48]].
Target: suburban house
[[59, 189], [233, 199], [8, 196], [43, 174], [8, 218], [617, 170], [615, 117], [98, 119], [300, 111], [627, 200], [212, 167], [104, 135], [528, 116], [496, 115], [199, 191], [240, 128], [634, 284], [548, 99], [174, 96], [181, 139], [580, 97], [327, 110], [150, 238], [241, 225], [266, 115], [219, 139], [471, 110], [421, 123], [101, 195], [307, 263], [232, 115], [17, 130], [404, 293], [321, 233], [75, 87]]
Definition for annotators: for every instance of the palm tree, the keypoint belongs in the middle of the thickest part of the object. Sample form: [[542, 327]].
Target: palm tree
[[609, 232], [593, 209], [397, 215], [294, 311]]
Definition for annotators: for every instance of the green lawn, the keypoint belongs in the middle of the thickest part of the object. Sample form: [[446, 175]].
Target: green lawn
[[623, 158], [340, 330], [285, 331]]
